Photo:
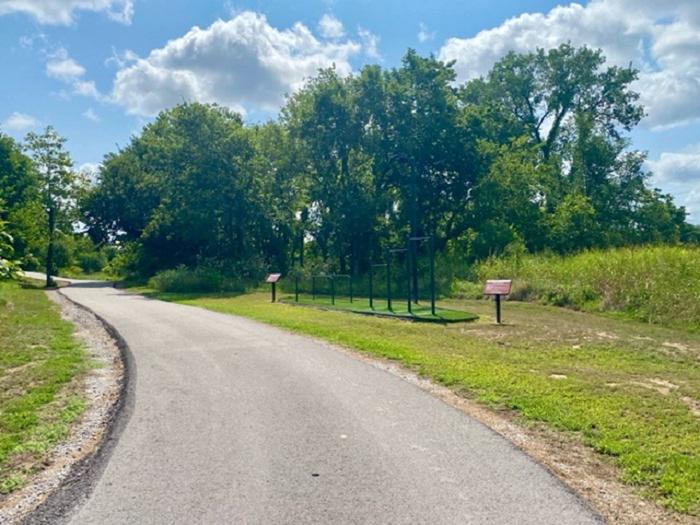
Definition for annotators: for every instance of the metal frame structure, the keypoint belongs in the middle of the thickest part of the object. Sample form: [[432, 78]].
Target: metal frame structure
[[391, 252], [431, 245]]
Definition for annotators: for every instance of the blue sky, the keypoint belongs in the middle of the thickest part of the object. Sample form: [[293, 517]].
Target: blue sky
[[99, 69]]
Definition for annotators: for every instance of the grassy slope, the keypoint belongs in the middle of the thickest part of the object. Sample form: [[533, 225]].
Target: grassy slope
[[39, 363], [655, 284], [626, 388]]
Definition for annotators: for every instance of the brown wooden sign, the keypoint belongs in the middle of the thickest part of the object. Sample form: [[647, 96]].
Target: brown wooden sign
[[497, 287], [273, 278]]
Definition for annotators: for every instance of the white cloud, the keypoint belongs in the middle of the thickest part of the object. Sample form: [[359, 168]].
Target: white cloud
[[370, 43], [424, 34], [240, 62], [19, 123], [65, 69], [61, 12], [678, 173], [90, 114], [121, 59], [662, 39], [62, 67], [330, 27]]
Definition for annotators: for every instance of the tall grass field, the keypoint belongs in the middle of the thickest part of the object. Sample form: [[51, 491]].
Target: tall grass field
[[659, 284]]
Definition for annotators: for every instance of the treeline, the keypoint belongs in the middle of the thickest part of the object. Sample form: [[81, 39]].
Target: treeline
[[534, 156]]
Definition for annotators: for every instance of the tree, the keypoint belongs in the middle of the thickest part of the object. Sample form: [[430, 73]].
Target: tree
[[57, 184], [8, 265], [19, 193]]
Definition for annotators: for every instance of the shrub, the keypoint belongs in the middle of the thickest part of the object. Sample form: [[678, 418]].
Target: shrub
[[201, 279], [91, 262]]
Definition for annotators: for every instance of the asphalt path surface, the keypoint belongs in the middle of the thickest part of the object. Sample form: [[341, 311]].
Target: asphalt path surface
[[232, 421]]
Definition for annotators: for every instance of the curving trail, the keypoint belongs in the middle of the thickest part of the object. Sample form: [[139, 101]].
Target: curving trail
[[232, 421]]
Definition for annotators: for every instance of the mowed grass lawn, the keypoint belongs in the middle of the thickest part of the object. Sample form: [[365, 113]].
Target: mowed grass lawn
[[629, 390], [40, 365]]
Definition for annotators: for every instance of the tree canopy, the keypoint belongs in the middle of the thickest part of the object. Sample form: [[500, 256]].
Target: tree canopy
[[536, 153]]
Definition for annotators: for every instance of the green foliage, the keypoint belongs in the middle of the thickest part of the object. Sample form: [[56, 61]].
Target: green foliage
[[8, 265], [57, 189], [653, 284], [199, 279], [21, 206], [537, 154]]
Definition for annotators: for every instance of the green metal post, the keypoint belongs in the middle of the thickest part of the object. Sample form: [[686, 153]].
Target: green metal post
[[432, 275], [371, 299], [410, 275], [388, 281], [333, 289]]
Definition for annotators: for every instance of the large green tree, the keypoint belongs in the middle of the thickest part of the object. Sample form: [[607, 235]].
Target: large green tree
[[57, 186], [20, 202]]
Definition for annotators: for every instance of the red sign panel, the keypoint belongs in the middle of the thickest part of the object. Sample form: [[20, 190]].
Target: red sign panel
[[273, 277], [497, 287]]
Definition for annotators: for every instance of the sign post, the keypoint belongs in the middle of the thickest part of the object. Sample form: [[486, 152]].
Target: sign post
[[498, 288], [272, 279]]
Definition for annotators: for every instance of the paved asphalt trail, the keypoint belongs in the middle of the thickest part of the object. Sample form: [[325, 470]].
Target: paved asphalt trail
[[233, 421]]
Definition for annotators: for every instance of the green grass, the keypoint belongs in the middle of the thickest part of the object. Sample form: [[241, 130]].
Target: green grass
[[40, 362], [360, 305], [600, 379], [654, 284]]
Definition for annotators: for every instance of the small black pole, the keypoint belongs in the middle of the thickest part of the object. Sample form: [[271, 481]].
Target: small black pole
[[351, 288], [274, 292], [333, 289], [388, 280], [432, 275], [371, 299], [498, 308], [313, 287], [296, 288]]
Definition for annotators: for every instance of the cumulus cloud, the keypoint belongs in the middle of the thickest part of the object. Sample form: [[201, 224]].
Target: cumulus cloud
[[65, 69], [62, 67], [19, 123], [330, 27], [662, 39], [679, 174], [62, 12], [370, 43], [240, 62]]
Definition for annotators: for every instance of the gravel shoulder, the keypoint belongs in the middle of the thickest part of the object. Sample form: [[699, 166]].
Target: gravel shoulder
[[72, 458]]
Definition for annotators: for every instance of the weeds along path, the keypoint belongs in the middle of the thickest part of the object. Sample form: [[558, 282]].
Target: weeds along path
[[234, 421]]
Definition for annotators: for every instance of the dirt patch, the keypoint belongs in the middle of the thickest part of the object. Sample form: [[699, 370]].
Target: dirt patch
[[591, 475], [661, 386], [692, 404], [100, 388]]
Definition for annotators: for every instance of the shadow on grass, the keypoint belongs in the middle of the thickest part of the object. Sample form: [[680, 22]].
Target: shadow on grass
[[360, 305], [187, 296]]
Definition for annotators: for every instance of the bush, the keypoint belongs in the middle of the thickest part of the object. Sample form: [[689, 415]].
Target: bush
[[656, 284], [91, 262], [200, 279]]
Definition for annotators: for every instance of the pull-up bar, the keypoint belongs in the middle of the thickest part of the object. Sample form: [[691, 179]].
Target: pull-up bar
[[431, 244], [388, 267], [371, 284]]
